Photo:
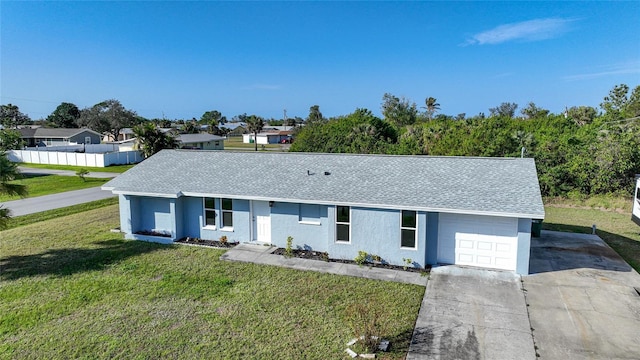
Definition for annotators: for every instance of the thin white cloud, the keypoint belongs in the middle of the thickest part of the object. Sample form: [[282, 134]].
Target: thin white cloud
[[262, 87], [531, 30], [615, 69]]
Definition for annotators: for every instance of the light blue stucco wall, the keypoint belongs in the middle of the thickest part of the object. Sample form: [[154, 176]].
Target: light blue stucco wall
[[193, 220], [431, 256], [285, 222], [377, 231], [524, 246]]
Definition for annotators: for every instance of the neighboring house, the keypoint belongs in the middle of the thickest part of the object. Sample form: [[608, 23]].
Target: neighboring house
[[59, 136], [432, 210], [201, 141], [127, 134], [272, 137]]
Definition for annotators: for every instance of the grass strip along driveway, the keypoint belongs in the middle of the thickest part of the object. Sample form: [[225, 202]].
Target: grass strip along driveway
[[113, 169], [69, 288]]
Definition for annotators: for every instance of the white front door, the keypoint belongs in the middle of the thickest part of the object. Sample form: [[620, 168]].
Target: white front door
[[262, 221]]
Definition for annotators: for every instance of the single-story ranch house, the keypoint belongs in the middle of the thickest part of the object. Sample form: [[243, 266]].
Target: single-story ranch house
[[58, 136], [432, 210], [201, 141]]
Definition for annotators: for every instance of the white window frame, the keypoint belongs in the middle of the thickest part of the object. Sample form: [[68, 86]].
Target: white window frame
[[204, 214], [415, 231], [223, 226], [308, 222], [87, 140], [342, 223]]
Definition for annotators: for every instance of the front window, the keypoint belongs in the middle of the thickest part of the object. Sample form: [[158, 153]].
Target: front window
[[408, 229], [309, 214], [209, 212], [227, 213], [343, 224]]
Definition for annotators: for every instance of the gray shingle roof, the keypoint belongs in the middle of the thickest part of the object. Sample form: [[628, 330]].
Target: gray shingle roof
[[492, 186], [53, 132]]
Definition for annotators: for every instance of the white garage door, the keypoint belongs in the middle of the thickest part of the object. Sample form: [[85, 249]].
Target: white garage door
[[484, 241]]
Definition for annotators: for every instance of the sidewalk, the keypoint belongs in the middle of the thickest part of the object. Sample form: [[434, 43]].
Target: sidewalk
[[261, 254]]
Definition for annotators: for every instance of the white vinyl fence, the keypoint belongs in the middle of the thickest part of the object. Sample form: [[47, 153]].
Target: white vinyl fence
[[75, 158]]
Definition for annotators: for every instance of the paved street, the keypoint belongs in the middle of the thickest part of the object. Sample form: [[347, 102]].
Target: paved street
[[92, 174], [54, 201]]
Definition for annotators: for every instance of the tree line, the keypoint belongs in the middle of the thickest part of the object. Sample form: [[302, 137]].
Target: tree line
[[582, 151]]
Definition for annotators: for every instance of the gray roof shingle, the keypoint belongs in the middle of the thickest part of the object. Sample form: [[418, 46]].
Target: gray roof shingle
[[491, 186]]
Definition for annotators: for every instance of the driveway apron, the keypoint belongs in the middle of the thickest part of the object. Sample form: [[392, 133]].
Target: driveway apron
[[583, 299], [472, 314]]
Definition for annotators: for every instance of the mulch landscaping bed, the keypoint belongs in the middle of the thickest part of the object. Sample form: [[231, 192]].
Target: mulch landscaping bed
[[212, 243], [323, 256]]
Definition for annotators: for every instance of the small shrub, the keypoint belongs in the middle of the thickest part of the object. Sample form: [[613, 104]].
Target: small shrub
[[367, 324], [288, 251], [223, 240], [362, 258], [82, 172], [376, 258], [407, 263], [324, 256]]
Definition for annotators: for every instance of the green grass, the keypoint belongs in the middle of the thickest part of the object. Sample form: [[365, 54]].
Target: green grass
[[52, 184], [615, 228], [56, 213], [69, 288], [114, 168]]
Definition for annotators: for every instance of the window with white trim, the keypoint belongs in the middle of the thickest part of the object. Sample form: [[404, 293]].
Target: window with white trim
[[309, 214], [343, 224], [209, 211], [408, 229], [227, 213]]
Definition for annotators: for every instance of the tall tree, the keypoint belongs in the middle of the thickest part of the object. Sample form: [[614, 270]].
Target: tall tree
[[532, 111], [505, 109], [581, 115], [9, 172], [66, 115], [150, 139], [10, 140], [108, 117], [255, 124], [431, 106], [315, 114], [399, 111], [11, 117], [620, 105]]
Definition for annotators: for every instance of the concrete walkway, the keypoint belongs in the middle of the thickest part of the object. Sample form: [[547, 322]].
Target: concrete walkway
[[55, 201], [261, 254], [92, 174]]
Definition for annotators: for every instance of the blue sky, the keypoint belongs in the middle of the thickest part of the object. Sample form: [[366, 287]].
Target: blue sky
[[180, 59]]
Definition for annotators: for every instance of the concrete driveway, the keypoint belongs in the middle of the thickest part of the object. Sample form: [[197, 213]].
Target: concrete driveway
[[583, 302], [472, 314]]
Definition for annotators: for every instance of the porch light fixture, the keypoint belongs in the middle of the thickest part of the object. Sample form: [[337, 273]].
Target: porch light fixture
[[270, 203]]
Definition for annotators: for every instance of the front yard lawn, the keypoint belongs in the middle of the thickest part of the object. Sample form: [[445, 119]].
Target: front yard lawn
[[69, 288], [52, 184]]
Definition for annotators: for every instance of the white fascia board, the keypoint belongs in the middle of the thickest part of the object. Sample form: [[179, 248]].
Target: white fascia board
[[147, 194]]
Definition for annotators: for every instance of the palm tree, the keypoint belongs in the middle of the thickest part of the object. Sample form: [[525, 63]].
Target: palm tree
[[431, 106], [8, 172], [255, 125], [150, 139]]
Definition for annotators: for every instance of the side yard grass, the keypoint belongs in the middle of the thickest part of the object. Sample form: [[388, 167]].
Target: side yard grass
[[614, 227], [113, 168], [51, 184], [69, 288]]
